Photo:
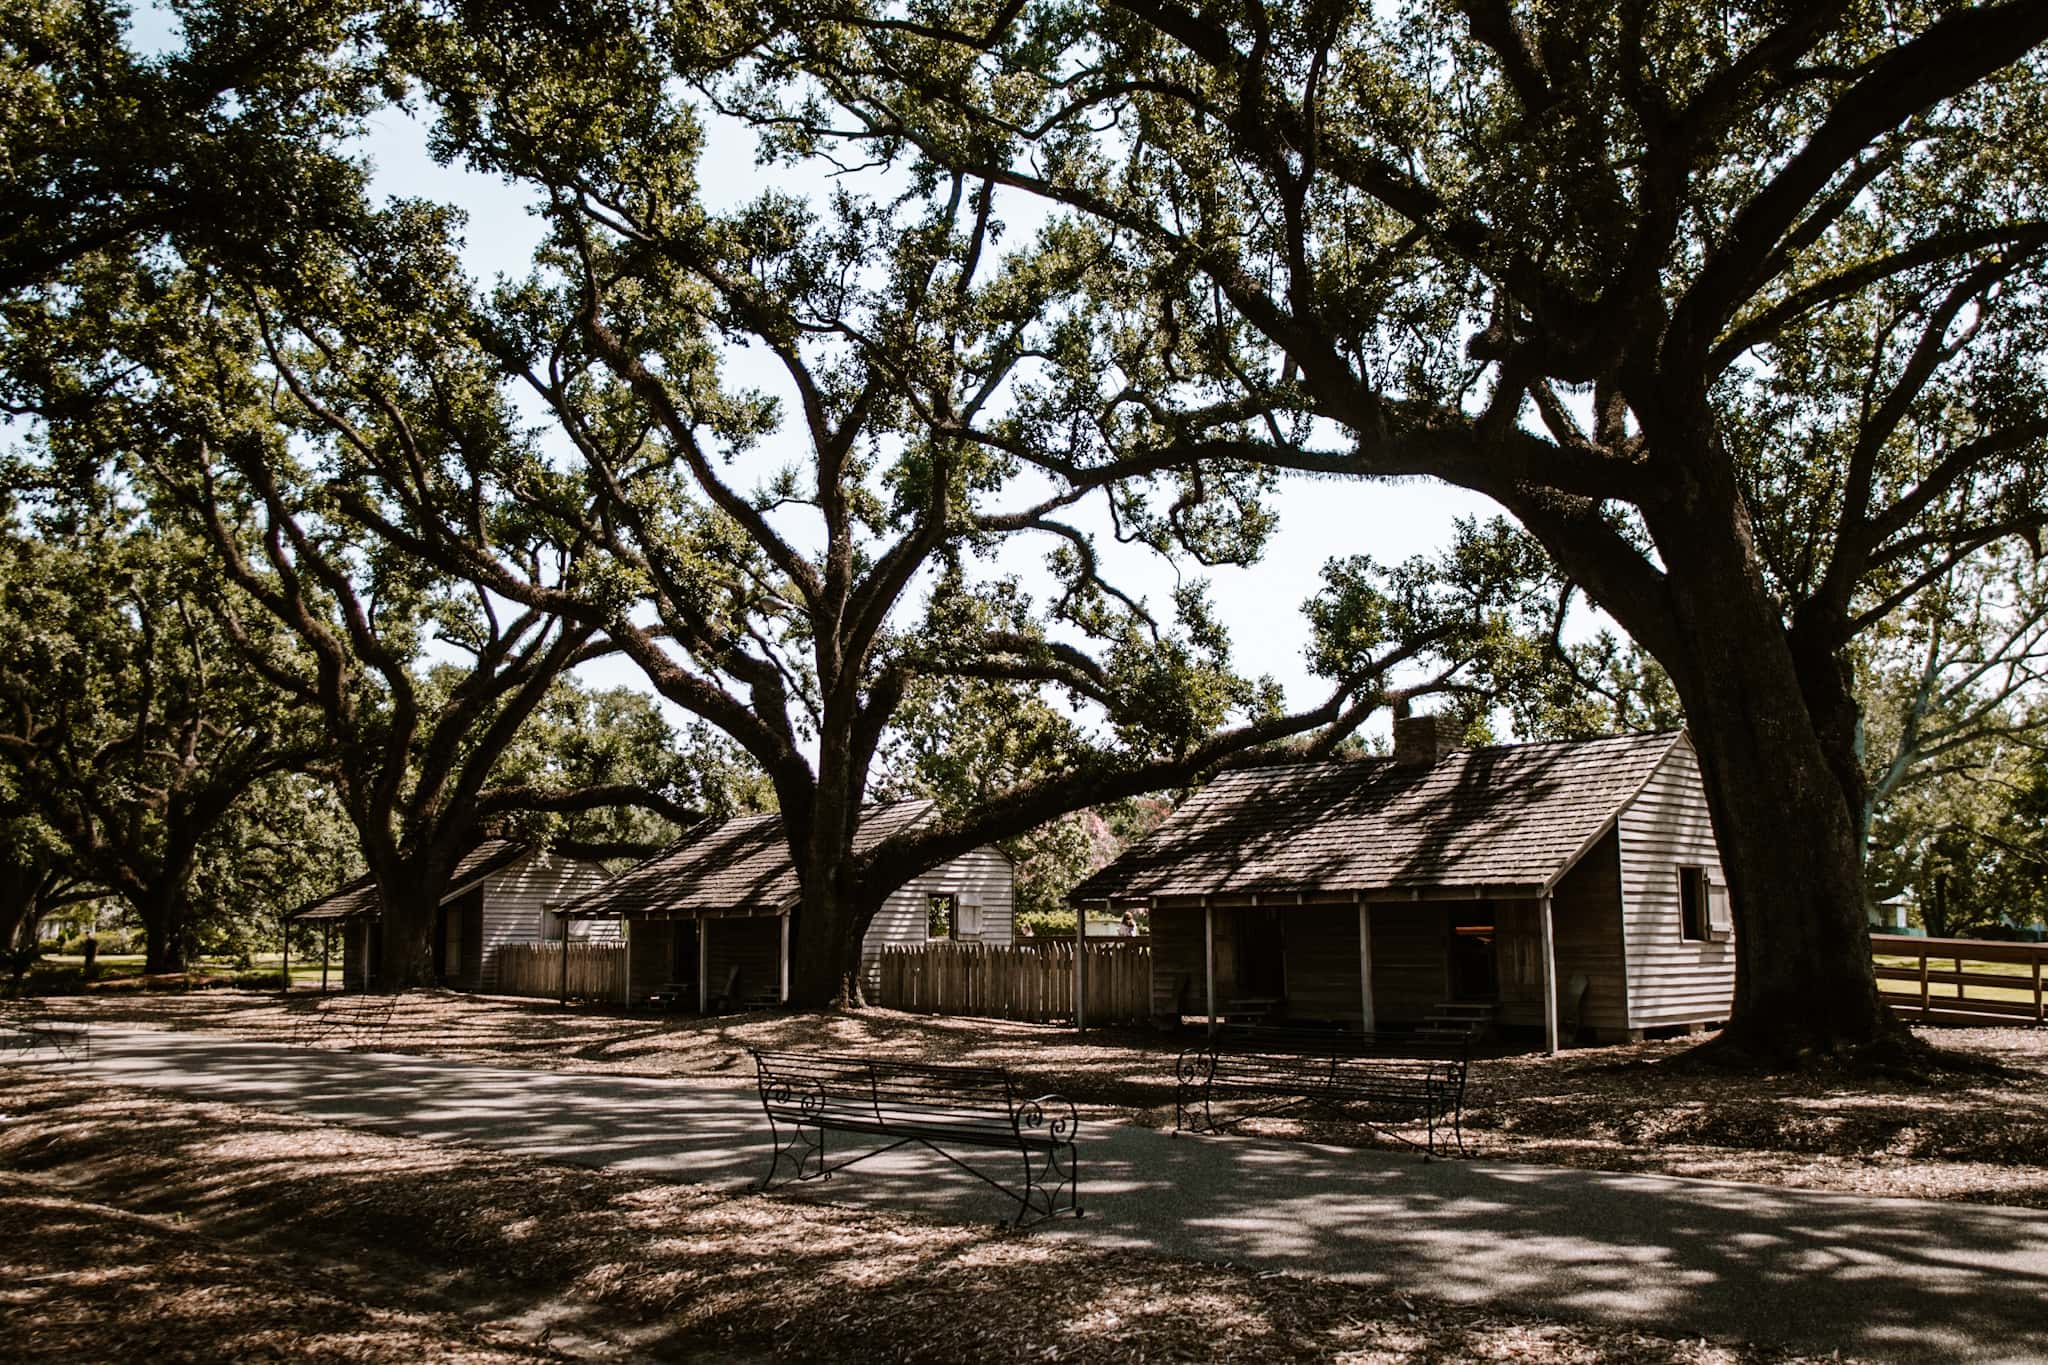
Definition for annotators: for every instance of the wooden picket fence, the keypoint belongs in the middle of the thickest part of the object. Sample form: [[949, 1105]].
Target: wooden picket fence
[[597, 971], [1000, 981]]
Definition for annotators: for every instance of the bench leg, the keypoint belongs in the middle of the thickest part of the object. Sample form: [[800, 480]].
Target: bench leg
[[803, 1149], [1044, 1186]]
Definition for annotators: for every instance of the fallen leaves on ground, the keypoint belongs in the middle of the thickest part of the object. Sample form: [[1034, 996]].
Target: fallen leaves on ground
[[133, 1226]]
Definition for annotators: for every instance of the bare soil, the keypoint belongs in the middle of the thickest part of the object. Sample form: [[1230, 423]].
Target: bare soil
[[137, 1227], [1979, 1134]]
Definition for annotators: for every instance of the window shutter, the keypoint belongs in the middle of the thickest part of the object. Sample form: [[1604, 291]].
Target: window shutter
[[970, 919], [1720, 916]]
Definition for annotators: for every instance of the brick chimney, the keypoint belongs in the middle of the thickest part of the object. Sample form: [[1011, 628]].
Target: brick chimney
[[1419, 741]]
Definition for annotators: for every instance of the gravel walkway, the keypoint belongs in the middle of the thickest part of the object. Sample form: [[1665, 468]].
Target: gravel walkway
[[1893, 1279]]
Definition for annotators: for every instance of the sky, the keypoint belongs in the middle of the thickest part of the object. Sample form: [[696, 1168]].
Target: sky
[[1261, 605]]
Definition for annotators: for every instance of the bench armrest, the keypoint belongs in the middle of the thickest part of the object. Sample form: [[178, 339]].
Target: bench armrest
[[1053, 1114], [1197, 1067]]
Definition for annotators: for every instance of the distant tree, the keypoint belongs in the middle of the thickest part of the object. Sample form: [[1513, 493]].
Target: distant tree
[[1953, 683], [35, 881], [286, 843], [586, 757], [128, 723]]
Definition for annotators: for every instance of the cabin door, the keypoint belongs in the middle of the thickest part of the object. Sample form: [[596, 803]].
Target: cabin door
[[458, 939], [682, 969], [1261, 963], [1474, 970], [447, 944]]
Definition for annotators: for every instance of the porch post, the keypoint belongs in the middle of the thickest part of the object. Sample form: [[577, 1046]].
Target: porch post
[[1549, 980], [785, 957], [626, 962], [565, 959], [1209, 960], [1365, 966], [703, 964], [285, 933], [1080, 967], [326, 950]]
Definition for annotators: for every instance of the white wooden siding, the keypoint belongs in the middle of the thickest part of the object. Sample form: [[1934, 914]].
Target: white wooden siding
[[1670, 980], [515, 896], [983, 876]]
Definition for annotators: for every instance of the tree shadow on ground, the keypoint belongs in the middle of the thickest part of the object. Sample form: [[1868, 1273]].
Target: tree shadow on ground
[[1884, 1278]]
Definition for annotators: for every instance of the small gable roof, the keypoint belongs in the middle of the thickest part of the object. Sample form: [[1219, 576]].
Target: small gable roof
[[741, 866], [1513, 816], [359, 897]]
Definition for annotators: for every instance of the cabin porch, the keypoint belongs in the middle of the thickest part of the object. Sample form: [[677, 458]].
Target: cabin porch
[[1375, 965]]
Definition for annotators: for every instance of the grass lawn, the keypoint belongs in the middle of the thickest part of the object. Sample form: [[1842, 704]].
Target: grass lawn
[[1977, 1138], [135, 1227]]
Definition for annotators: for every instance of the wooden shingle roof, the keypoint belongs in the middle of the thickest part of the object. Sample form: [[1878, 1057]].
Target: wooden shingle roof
[[359, 897], [1508, 817], [739, 867]]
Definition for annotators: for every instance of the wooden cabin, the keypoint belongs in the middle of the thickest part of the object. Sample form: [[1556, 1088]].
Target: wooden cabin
[[502, 892], [711, 918], [1443, 885]]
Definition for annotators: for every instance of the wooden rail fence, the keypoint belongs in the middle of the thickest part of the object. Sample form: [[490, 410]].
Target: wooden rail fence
[[1958, 979], [597, 971], [1015, 982]]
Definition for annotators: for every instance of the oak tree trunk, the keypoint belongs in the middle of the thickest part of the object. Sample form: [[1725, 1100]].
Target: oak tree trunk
[[825, 939], [406, 958], [163, 915], [1777, 750]]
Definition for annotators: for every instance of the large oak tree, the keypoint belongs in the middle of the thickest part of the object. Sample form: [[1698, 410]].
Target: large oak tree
[[1736, 308]]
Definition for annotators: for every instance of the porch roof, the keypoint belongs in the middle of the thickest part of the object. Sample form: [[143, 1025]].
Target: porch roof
[[740, 867], [359, 897], [1501, 820]]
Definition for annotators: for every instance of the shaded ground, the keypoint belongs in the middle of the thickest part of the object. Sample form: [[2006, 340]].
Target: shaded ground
[[136, 1226], [1978, 1139]]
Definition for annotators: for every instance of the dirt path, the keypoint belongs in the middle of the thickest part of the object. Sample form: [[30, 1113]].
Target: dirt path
[[1978, 1140]]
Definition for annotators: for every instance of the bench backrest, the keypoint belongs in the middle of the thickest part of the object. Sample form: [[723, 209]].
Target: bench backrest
[[889, 1094], [1270, 1041]]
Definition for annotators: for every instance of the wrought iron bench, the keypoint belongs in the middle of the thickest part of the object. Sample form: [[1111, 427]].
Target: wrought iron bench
[[807, 1094], [38, 1030], [357, 1018], [1261, 1071]]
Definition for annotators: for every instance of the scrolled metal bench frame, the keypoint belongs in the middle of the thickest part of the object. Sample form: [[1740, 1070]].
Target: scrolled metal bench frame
[[359, 1016], [809, 1094], [71, 1042], [1295, 1070]]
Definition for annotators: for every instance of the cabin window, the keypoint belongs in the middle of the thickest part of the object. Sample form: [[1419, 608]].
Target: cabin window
[[552, 926], [941, 915], [1692, 904]]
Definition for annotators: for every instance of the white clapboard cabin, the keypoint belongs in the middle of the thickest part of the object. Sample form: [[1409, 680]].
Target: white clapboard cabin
[[1443, 888], [502, 892], [710, 919]]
